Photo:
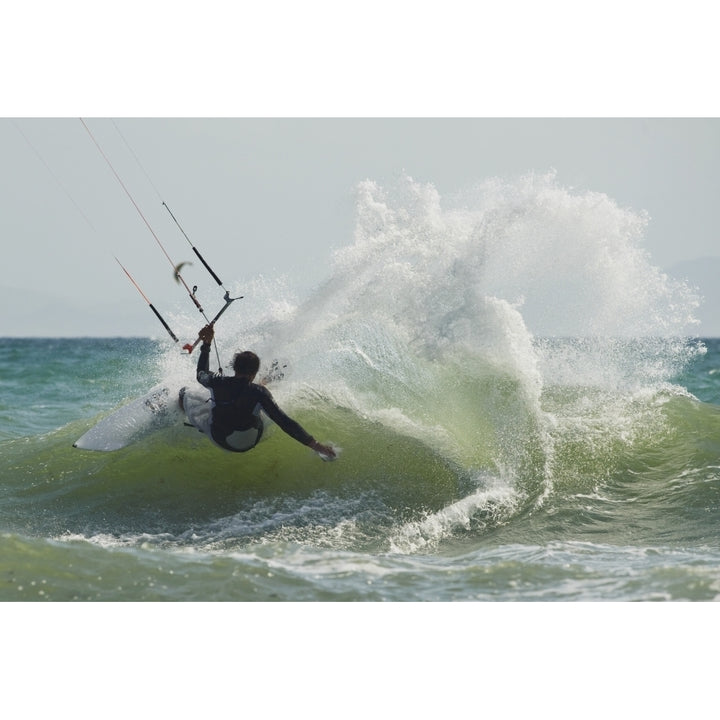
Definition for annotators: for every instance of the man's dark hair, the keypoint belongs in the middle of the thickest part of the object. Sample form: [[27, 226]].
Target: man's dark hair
[[246, 363]]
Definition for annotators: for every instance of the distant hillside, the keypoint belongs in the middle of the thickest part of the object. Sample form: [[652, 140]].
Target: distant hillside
[[46, 315], [39, 314], [703, 274]]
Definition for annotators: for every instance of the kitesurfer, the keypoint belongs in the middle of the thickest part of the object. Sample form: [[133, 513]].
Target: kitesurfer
[[234, 422]]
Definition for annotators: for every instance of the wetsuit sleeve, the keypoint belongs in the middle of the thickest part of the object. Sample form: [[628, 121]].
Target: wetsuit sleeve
[[292, 428], [203, 374]]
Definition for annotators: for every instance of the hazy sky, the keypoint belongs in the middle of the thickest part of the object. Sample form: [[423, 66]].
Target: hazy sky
[[275, 196]]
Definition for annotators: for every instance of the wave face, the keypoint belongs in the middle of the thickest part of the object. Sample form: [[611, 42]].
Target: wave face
[[505, 372]]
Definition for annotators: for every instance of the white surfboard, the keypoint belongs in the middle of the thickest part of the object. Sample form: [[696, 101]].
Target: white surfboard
[[159, 408]]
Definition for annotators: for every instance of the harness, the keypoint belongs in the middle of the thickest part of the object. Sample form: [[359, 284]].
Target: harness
[[239, 440]]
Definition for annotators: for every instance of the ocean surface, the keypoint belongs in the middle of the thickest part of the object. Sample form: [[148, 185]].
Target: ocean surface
[[522, 408]]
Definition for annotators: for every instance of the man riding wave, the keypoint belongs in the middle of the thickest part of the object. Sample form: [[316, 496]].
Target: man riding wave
[[234, 421]]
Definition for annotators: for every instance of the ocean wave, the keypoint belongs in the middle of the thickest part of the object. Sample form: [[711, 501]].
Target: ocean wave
[[432, 356]]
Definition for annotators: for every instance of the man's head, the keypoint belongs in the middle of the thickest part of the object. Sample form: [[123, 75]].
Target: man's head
[[246, 363]]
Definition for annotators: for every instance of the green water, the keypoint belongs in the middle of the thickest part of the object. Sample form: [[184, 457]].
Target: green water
[[590, 511]]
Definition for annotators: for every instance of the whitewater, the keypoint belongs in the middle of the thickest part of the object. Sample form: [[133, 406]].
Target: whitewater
[[523, 409]]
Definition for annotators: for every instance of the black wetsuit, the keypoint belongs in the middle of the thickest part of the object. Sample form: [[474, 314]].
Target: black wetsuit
[[237, 404]]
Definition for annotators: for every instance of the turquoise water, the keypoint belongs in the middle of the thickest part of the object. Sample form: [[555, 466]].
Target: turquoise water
[[624, 513], [522, 411]]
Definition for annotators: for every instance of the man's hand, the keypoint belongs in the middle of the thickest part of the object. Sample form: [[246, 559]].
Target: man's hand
[[326, 452], [207, 334]]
